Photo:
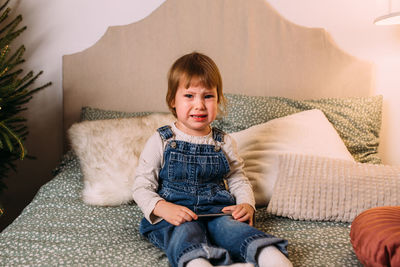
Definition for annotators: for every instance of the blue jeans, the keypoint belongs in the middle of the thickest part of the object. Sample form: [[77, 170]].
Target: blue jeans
[[221, 240]]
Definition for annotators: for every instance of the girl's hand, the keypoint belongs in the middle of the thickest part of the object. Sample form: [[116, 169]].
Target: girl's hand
[[243, 212], [172, 213]]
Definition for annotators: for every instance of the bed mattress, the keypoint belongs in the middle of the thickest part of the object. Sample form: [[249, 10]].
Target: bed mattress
[[57, 228]]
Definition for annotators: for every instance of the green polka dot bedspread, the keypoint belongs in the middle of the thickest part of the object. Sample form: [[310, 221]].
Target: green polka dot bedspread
[[58, 229]]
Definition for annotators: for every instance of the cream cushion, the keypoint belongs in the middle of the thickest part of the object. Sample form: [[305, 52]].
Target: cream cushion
[[308, 132]]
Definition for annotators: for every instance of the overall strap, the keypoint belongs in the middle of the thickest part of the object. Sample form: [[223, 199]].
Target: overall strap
[[165, 132], [218, 135]]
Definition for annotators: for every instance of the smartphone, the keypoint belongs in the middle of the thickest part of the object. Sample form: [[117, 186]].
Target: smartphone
[[209, 215]]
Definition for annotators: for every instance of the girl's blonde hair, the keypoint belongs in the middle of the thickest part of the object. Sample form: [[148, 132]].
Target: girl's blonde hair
[[199, 66]]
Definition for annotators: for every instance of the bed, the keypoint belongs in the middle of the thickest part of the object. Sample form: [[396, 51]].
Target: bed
[[303, 112]]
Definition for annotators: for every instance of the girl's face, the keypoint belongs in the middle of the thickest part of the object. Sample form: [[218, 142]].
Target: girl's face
[[196, 107]]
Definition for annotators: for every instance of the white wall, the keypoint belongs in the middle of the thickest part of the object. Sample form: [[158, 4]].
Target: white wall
[[62, 27], [351, 25], [56, 28]]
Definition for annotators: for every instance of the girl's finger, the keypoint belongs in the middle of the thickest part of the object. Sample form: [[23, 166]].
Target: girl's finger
[[237, 209], [229, 209], [188, 214], [251, 221], [191, 214], [244, 218], [239, 214]]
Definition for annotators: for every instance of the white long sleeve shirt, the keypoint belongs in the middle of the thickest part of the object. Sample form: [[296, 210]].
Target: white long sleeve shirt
[[151, 161]]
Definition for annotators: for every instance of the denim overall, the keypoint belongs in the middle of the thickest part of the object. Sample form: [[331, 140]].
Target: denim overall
[[192, 176]]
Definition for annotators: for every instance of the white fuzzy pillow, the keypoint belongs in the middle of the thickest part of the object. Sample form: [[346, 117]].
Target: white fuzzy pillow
[[108, 151], [308, 132]]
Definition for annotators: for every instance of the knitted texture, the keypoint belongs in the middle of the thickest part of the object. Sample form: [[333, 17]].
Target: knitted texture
[[325, 189]]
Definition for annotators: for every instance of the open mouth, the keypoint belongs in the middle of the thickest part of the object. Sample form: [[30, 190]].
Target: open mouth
[[198, 116]]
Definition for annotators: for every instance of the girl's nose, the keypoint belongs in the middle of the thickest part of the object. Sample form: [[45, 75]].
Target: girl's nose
[[199, 103]]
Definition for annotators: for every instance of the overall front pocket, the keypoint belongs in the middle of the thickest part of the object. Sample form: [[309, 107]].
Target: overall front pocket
[[194, 169]]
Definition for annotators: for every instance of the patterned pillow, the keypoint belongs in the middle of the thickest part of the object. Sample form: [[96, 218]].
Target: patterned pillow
[[307, 132], [356, 119], [94, 114]]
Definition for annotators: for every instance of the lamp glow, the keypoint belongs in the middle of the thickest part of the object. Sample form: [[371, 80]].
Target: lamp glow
[[389, 19]]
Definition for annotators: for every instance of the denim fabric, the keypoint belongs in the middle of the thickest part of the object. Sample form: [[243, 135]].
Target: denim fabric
[[192, 176]]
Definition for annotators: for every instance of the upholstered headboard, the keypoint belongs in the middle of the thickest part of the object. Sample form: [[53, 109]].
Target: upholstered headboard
[[257, 51]]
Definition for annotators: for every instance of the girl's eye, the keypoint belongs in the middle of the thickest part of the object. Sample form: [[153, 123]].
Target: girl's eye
[[209, 96], [188, 95]]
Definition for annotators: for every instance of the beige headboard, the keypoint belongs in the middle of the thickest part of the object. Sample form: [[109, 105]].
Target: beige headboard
[[257, 51]]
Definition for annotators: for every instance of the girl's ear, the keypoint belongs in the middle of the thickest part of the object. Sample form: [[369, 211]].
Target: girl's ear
[[173, 103]]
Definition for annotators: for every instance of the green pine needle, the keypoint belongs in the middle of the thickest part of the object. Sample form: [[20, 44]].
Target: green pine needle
[[15, 93]]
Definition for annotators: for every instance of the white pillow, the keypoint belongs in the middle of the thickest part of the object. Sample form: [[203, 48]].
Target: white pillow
[[108, 151], [308, 132]]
